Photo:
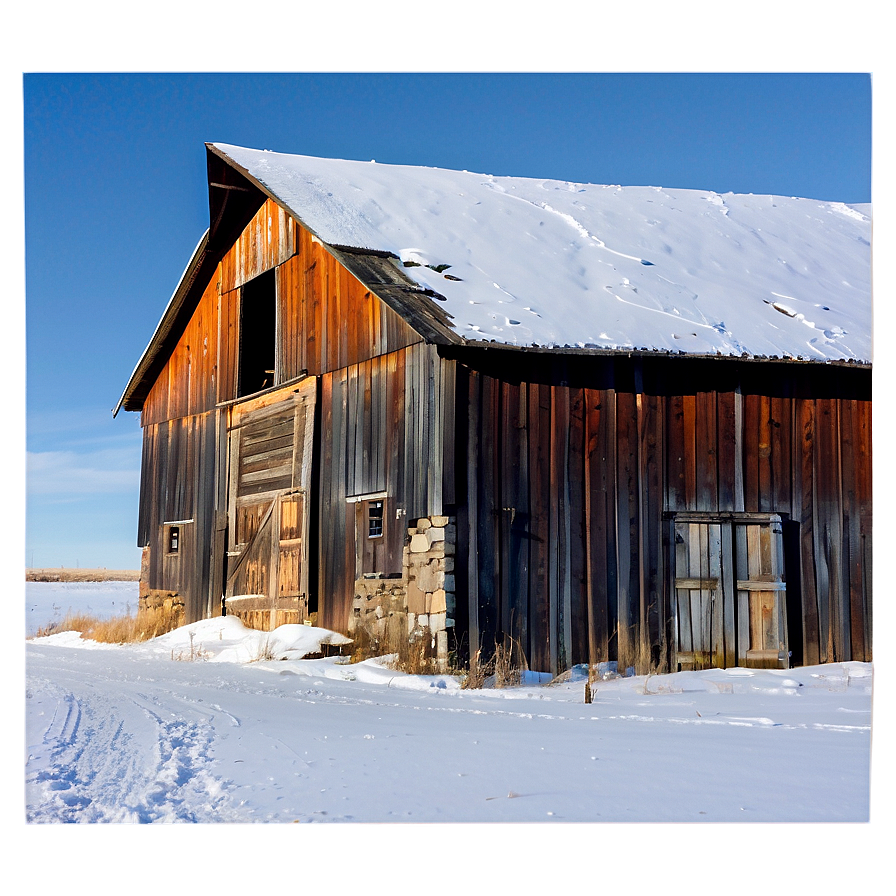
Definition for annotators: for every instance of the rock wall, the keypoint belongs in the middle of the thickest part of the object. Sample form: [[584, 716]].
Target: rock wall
[[422, 599], [153, 598]]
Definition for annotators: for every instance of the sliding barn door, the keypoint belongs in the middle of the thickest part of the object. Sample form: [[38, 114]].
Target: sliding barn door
[[729, 591], [700, 591], [270, 476], [761, 594]]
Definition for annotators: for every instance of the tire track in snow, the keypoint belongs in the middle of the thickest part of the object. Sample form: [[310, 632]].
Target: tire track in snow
[[90, 763]]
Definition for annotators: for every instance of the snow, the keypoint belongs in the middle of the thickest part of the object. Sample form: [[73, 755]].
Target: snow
[[47, 602], [552, 263], [198, 726]]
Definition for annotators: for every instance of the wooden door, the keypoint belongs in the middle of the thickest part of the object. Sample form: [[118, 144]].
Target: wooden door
[[729, 592], [270, 446], [699, 595], [761, 595]]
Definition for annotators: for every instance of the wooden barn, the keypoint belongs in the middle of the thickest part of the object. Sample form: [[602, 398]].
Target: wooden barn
[[612, 424]]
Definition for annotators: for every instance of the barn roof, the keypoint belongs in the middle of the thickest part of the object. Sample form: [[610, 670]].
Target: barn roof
[[547, 264], [533, 262]]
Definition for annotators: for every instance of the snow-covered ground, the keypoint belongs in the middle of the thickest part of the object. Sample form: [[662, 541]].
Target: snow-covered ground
[[196, 727]]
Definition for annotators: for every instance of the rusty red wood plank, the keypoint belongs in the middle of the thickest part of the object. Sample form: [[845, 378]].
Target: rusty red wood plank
[[577, 528], [751, 450], [765, 454], [812, 647], [706, 451], [627, 527], [780, 429], [727, 450], [689, 451], [850, 425]]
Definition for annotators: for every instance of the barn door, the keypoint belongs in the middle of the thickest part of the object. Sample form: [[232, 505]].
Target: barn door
[[761, 592], [729, 592], [700, 578], [270, 472]]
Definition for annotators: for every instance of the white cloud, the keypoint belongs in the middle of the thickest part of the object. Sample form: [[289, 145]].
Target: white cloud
[[66, 473]]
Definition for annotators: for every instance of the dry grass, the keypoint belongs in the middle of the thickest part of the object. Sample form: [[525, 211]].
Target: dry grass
[[406, 655], [194, 653], [478, 672], [264, 651], [505, 666], [412, 657], [61, 574], [120, 629]]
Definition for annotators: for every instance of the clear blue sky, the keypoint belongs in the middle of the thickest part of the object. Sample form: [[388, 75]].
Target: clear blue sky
[[115, 201]]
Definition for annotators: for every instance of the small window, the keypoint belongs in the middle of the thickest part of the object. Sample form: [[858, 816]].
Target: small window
[[375, 519], [173, 539]]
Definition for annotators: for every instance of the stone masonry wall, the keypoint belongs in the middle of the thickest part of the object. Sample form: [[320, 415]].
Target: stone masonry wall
[[154, 598], [421, 602]]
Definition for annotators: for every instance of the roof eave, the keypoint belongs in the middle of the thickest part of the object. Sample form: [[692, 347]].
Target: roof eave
[[591, 350]]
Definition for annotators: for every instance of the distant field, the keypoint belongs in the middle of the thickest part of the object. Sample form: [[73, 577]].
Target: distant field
[[82, 575]]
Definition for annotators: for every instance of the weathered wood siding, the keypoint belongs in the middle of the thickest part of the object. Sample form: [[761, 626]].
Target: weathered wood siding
[[386, 426], [574, 468], [268, 240], [188, 384], [177, 485], [327, 323]]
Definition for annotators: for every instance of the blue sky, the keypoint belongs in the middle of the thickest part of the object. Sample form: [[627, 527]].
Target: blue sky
[[115, 201]]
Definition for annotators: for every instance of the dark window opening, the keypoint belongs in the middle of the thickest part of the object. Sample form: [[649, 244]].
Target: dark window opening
[[374, 519], [173, 539], [258, 334]]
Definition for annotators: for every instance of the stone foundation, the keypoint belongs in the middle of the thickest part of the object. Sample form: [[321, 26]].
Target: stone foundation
[[421, 602], [155, 598], [159, 599]]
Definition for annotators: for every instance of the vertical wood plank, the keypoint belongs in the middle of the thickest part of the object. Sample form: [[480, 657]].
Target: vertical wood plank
[[751, 452], [489, 513], [689, 446], [539, 510], [676, 491], [739, 457], [728, 596], [561, 609], [578, 537], [809, 588], [706, 452], [473, 416], [727, 451], [765, 455], [627, 533]]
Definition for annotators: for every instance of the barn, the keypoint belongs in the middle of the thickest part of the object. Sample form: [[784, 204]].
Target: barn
[[600, 423]]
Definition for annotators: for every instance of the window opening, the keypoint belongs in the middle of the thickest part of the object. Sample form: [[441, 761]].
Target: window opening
[[374, 519], [173, 539], [258, 334]]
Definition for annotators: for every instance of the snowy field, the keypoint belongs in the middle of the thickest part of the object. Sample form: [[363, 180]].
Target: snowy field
[[195, 727], [47, 602]]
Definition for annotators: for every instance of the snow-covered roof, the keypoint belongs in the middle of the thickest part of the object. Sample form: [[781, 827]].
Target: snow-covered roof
[[525, 261]]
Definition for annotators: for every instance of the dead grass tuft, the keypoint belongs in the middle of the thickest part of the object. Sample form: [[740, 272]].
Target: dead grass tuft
[[264, 651], [505, 667], [195, 652], [508, 668], [407, 654], [144, 626], [477, 673]]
